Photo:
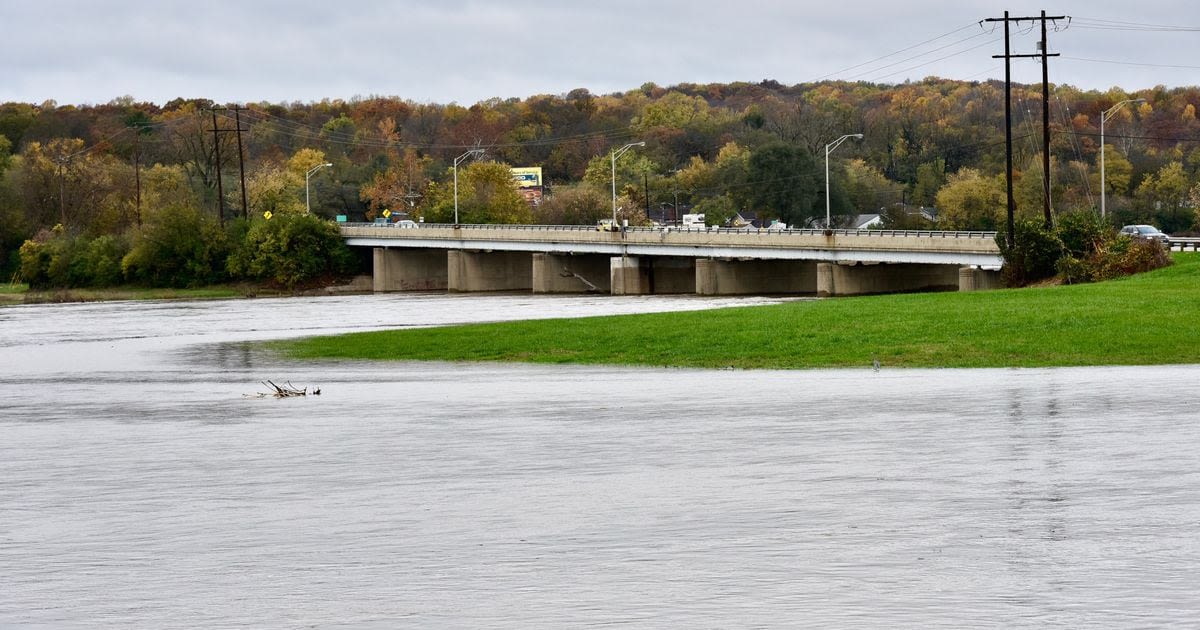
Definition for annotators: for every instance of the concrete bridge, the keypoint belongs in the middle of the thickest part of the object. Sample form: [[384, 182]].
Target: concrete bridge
[[638, 261]]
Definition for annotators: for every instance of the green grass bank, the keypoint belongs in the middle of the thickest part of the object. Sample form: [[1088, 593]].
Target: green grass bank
[[1141, 320]]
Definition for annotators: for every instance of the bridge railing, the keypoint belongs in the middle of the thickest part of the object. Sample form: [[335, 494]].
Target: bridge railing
[[710, 230], [1184, 243]]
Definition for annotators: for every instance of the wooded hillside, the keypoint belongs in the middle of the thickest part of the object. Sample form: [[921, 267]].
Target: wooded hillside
[[754, 147]]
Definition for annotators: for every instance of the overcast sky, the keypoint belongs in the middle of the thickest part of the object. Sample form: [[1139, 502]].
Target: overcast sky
[[92, 51]]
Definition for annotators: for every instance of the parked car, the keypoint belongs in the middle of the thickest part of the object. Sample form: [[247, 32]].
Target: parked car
[[405, 223], [1147, 232]]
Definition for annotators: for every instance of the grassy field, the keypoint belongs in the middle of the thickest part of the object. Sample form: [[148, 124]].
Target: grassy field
[[1141, 320], [12, 293]]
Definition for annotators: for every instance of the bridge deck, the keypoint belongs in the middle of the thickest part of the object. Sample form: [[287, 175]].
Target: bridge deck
[[876, 246]]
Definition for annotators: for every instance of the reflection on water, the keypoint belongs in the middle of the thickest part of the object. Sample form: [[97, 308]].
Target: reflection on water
[[140, 488]]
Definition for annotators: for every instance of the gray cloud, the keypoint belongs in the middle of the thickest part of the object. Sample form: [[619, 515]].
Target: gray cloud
[[75, 51]]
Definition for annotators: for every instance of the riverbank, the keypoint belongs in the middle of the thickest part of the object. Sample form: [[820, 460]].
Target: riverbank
[[13, 294], [1147, 319]]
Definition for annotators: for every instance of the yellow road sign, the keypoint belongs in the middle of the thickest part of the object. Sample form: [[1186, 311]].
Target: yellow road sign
[[267, 215]]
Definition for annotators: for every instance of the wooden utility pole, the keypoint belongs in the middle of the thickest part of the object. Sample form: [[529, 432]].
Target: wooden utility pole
[[1008, 56], [241, 159], [137, 174], [220, 188], [237, 116]]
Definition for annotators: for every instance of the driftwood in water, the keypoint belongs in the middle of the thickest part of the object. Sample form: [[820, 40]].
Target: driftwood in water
[[285, 391]]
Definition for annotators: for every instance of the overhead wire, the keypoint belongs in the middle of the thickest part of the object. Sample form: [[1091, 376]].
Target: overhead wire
[[894, 53]]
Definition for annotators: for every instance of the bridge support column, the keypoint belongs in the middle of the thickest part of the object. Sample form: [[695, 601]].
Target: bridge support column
[[973, 279], [740, 277], [408, 270], [858, 279], [558, 273], [469, 271], [627, 277], [645, 275]]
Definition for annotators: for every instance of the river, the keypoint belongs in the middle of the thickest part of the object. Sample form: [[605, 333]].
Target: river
[[141, 488]]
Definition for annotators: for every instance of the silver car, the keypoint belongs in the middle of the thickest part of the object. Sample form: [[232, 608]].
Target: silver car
[[1147, 232]]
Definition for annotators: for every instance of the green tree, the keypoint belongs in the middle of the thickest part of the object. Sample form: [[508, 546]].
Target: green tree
[[275, 189], [178, 247], [290, 250], [785, 182], [1164, 194], [971, 201], [1118, 172], [931, 176], [486, 194], [867, 190]]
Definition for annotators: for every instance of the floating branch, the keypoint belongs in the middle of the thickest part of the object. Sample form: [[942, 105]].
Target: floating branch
[[286, 390]]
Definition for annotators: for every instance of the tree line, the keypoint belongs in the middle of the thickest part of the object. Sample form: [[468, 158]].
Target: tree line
[[932, 155]]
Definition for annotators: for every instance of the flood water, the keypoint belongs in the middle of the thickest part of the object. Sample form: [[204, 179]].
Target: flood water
[[141, 488]]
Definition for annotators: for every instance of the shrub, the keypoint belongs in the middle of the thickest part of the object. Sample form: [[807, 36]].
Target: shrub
[[35, 263], [54, 259], [1128, 256], [98, 263], [1034, 255], [180, 247], [290, 250], [1083, 233]]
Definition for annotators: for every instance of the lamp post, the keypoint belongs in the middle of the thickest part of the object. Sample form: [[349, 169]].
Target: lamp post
[[477, 153], [1104, 116], [307, 206], [830, 147], [616, 154]]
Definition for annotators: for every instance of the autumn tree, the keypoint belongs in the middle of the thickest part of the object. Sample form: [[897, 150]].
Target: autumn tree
[[867, 190], [486, 194], [1162, 196], [577, 204], [402, 182], [971, 201]]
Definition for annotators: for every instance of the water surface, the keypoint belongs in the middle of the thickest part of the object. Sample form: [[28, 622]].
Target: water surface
[[140, 488]]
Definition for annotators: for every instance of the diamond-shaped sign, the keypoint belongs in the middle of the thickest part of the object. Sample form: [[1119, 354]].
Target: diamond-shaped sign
[[267, 215], [387, 213]]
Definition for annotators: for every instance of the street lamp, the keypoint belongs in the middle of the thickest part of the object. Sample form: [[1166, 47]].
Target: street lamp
[[1105, 115], [830, 147], [616, 154], [477, 153], [307, 206]]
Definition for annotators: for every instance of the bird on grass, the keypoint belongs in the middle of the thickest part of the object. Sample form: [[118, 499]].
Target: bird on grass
[[875, 362]]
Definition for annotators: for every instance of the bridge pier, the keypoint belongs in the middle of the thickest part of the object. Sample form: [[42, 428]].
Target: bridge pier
[[563, 273], [742, 277], [652, 275], [857, 279], [975, 279], [408, 270], [471, 271]]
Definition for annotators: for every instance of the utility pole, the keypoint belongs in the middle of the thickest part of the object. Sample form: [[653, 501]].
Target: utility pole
[[137, 174], [62, 191], [646, 189], [237, 116], [220, 188], [1008, 57], [412, 197]]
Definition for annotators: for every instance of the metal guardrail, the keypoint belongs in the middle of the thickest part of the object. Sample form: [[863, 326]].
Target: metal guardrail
[[686, 230], [1184, 243]]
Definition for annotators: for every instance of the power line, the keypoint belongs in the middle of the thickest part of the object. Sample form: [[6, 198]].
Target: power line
[[907, 59], [1131, 63], [1115, 25], [894, 53]]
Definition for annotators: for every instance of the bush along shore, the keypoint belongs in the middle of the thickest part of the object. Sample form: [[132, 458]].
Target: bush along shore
[[1145, 319]]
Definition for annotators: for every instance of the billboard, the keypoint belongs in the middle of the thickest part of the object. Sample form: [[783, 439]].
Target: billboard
[[527, 176]]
